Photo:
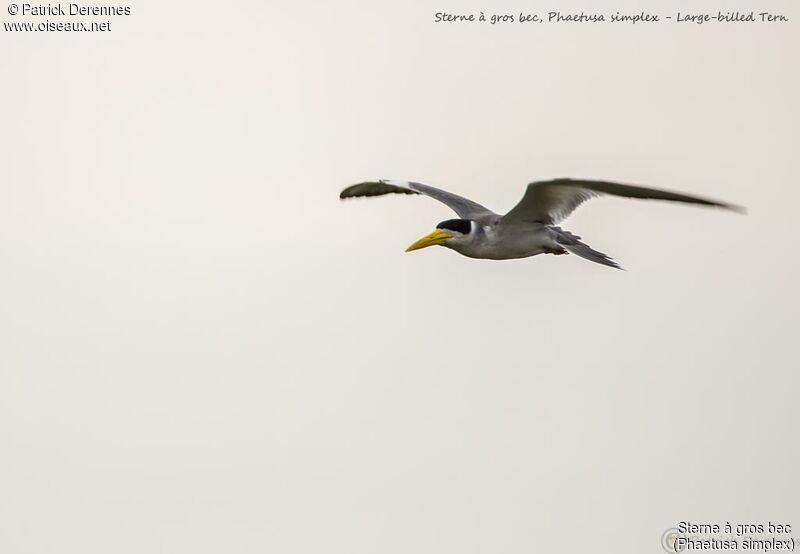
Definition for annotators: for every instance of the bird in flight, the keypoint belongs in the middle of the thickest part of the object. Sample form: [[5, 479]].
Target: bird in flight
[[530, 228]]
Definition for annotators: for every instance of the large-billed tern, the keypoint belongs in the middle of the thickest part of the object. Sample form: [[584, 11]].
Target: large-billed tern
[[530, 228]]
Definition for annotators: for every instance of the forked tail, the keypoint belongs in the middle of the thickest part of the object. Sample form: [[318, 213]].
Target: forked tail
[[573, 244]]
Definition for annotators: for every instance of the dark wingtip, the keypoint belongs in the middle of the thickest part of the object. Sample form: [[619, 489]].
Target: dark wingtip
[[725, 206], [353, 191], [373, 188], [347, 192], [735, 208]]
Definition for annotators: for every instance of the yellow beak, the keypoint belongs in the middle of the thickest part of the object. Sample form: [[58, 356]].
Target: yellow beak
[[437, 237]]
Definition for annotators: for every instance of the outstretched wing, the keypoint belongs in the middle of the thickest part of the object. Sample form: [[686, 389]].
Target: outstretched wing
[[466, 209], [550, 202]]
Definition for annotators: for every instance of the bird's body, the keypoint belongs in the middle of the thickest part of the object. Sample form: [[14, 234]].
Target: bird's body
[[530, 228], [492, 242]]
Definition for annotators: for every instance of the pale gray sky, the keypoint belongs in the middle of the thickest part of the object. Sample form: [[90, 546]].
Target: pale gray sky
[[205, 351]]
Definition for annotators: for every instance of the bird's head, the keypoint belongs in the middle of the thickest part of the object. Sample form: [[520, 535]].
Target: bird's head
[[451, 233]]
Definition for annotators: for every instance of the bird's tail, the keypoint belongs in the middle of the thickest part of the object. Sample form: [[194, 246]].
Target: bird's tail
[[573, 244]]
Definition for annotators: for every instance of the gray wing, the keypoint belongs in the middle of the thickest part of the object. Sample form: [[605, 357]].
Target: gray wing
[[466, 209], [550, 202]]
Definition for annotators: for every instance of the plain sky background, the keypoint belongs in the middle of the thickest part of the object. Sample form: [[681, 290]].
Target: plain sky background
[[203, 350]]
